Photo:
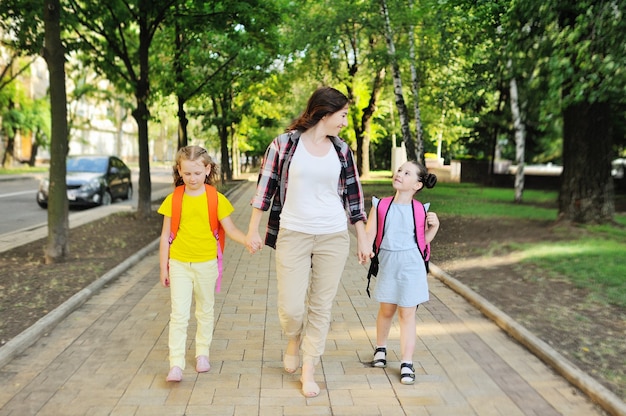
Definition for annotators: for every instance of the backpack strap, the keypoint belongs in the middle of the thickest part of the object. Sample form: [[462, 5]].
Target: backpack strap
[[177, 206], [419, 219], [216, 227], [381, 216], [218, 231]]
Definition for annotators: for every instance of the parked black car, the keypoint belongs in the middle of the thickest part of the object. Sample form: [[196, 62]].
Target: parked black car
[[92, 181]]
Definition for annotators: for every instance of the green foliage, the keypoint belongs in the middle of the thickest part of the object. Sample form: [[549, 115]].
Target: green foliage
[[247, 66], [23, 20], [577, 48]]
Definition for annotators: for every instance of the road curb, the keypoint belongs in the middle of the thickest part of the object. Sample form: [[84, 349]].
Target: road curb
[[599, 394]]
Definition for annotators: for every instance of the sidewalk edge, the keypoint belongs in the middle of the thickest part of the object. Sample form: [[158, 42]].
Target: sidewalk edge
[[605, 398], [32, 334]]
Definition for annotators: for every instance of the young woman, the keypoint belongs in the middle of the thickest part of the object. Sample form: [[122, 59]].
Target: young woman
[[309, 180]]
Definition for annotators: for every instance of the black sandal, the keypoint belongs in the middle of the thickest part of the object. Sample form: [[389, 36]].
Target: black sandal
[[381, 362], [407, 377]]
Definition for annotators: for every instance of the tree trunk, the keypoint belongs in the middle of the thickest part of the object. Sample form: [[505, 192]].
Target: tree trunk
[[57, 247], [415, 87], [225, 154], [141, 115], [34, 148], [364, 132], [403, 112], [183, 121], [144, 204], [7, 156], [587, 194], [235, 155], [520, 140], [182, 114]]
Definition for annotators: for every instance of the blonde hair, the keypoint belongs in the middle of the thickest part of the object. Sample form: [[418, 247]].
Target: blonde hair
[[194, 153]]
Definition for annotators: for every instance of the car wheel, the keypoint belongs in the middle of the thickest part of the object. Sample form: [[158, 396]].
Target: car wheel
[[129, 193], [42, 204], [106, 198]]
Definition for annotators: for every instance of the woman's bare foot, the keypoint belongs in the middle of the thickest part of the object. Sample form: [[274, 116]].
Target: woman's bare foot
[[291, 359], [309, 386]]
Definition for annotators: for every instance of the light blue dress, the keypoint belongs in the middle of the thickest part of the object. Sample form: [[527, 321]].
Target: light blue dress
[[401, 276]]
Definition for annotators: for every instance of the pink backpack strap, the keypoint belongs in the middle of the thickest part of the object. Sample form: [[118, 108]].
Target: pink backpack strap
[[419, 219], [381, 216]]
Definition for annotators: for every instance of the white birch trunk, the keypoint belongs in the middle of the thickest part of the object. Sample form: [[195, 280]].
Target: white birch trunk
[[520, 139], [403, 113], [415, 86]]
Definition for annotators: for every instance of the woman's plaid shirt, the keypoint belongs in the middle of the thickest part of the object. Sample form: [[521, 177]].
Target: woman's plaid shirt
[[274, 176]]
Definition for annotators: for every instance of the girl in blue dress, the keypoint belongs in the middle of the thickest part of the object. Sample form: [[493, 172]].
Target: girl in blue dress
[[401, 284]]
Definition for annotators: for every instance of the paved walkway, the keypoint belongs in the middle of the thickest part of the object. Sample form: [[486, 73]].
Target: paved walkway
[[109, 356]]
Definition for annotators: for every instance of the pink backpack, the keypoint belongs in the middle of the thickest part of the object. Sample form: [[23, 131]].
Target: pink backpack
[[419, 220]]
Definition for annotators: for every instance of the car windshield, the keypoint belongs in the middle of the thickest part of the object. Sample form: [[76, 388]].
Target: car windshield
[[87, 164]]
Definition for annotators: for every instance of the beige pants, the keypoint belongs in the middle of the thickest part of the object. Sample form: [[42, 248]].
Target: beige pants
[[187, 280], [308, 270]]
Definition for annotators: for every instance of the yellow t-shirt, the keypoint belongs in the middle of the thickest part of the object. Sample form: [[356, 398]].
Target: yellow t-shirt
[[194, 241]]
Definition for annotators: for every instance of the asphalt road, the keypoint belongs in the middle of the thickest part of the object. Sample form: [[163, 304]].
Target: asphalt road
[[20, 210]]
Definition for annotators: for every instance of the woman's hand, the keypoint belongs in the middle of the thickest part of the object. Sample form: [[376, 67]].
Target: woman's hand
[[253, 241], [364, 246]]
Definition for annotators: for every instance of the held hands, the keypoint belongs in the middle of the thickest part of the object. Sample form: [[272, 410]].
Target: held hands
[[364, 256], [364, 251], [253, 242]]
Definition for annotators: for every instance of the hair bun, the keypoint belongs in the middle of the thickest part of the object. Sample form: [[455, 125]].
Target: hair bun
[[430, 180]]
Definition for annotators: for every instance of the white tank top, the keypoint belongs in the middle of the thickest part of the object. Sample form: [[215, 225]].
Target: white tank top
[[312, 204]]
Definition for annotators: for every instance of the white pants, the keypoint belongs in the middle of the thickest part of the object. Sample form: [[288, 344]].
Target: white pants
[[187, 280]]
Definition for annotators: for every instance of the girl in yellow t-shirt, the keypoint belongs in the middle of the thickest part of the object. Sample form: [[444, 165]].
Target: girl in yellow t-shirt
[[189, 264]]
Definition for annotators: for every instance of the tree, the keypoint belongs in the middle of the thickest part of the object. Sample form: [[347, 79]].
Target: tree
[[520, 140], [346, 51], [38, 124], [415, 88], [12, 66], [580, 48], [246, 50], [26, 117], [57, 246], [32, 35], [188, 56], [403, 113], [116, 37]]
